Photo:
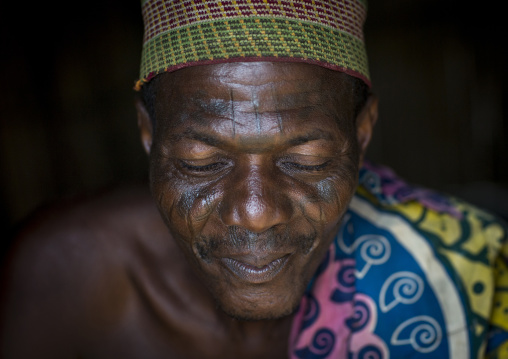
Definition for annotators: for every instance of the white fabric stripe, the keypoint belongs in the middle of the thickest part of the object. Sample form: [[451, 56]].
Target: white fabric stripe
[[442, 285]]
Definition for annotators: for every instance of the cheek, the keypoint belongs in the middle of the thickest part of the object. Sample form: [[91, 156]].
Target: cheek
[[325, 202], [184, 205], [195, 205], [336, 194], [338, 189]]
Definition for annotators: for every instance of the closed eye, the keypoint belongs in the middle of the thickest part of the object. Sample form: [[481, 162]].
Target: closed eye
[[207, 168], [309, 168]]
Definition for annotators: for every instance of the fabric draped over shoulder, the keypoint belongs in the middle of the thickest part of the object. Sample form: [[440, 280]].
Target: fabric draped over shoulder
[[411, 274]]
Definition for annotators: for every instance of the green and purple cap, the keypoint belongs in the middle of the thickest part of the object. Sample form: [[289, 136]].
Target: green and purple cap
[[183, 33]]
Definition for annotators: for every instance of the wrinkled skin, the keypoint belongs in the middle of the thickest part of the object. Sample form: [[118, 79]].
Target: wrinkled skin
[[253, 166]]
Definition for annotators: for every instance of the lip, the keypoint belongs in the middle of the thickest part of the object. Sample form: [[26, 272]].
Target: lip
[[255, 274]]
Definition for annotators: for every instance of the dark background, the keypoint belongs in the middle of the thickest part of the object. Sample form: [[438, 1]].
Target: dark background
[[68, 125]]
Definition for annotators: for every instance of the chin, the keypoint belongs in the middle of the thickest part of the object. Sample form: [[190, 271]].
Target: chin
[[265, 297], [267, 301], [256, 313]]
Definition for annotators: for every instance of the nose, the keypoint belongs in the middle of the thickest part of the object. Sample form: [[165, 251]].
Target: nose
[[255, 200]]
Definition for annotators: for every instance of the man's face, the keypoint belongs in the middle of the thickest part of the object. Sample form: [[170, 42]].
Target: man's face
[[252, 166]]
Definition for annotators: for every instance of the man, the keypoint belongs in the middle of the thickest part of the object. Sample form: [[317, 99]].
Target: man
[[282, 241]]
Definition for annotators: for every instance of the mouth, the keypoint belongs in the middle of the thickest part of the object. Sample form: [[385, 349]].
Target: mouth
[[255, 271]]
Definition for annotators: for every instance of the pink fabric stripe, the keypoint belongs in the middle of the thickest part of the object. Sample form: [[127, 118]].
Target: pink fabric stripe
[[333, 315]]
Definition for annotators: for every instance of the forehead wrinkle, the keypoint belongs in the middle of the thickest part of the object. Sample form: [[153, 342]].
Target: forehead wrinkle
[[281, 96], [239, 120], [233, 121], [275, 103], [277, 112], [254, 99], [233, 99], [212, 106], [254, 144], [266, 78], [283, 85]]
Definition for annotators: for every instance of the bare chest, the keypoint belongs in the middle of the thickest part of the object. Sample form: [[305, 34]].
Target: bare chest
[[144, 333]]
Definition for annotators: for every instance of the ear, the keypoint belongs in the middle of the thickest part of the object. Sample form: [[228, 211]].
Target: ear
[[365, 124], [144, 124]]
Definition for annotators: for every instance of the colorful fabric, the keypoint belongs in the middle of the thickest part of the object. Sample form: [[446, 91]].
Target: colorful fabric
[[411, 274], [182, 33]]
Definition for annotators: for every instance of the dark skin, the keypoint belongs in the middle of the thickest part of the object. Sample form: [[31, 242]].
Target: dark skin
[[252, 166]]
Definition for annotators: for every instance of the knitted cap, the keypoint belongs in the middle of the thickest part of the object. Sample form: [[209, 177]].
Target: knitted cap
[[182, 33]]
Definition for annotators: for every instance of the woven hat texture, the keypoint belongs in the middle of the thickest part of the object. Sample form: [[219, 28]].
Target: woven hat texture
[[182, 33]]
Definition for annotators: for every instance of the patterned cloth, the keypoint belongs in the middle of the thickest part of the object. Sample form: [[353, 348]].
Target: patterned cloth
[[411, 274], [182, 33]]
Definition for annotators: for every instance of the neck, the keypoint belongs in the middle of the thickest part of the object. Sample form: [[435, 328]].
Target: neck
[[194, 312], [259, 336], [250, 328]]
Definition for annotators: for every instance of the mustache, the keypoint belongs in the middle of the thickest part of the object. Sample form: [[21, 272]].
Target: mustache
[[241, 240]]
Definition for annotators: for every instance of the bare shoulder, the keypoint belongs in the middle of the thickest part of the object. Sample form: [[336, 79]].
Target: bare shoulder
[[68, 272], [89, 235]]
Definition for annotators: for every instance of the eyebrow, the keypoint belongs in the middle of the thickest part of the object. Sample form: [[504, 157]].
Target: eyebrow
[[191, 134], [314, 135], [211, 140]]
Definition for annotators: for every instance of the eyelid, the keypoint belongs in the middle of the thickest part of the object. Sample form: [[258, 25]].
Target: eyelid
[[306, 158], [195, 149], [315, 168], [310, 148], [202, 166], [295, 163]]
